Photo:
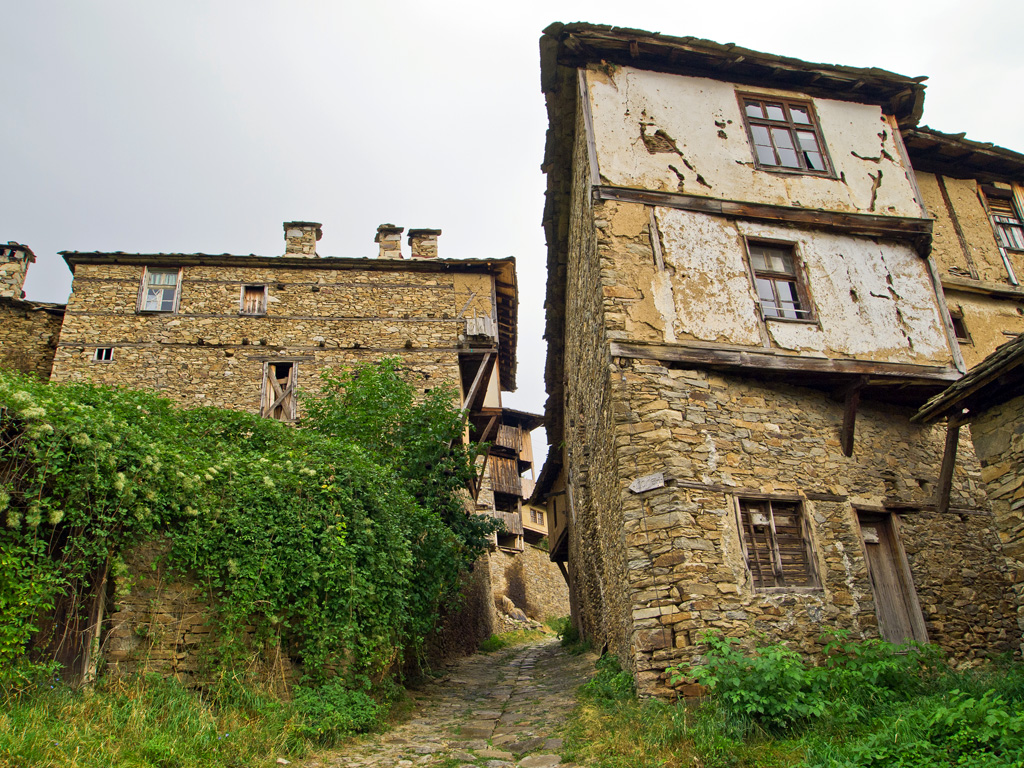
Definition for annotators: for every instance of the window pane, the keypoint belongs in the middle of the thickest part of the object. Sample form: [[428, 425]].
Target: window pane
[[754, 109], [775, 112], [800, 115], [760, 134], [757, 259], [764, 290], [807, 140], [765, 155], [163, 277], [814, 161], [154, 298]]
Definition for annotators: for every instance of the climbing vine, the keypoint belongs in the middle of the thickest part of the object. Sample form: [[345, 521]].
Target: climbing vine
[[337, 540]]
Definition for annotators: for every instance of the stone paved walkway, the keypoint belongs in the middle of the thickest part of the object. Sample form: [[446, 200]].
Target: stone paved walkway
[[495, 710]]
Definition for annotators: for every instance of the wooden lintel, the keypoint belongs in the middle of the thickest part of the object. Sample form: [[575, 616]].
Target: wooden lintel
[[852, 400], [765, 359], [948, 463], [918, 231]]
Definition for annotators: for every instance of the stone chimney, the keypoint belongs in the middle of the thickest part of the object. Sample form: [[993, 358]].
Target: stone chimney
[[390, 238], [300, 238], [424, 243], [14, 261]]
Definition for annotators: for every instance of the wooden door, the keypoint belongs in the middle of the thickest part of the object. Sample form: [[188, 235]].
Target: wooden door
[[899, 614]]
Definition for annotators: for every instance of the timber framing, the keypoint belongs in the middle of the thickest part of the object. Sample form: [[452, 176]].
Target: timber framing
[[954, 155], [916, 231], [757, 359]]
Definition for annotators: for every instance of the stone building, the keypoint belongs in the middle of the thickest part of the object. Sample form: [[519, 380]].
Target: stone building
[[974, 193], [991, 400], [742, 318], [251, 332], [28, 329], [521, 572], [248, 332]]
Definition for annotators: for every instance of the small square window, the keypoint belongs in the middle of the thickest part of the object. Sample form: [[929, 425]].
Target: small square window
[[103, 354], [785, 135], [775, 544], [956, 317], [254, 300], [777, 278], [159, 290]]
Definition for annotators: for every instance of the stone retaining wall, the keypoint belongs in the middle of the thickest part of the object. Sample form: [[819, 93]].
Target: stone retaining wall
[[531, 581], [28, 335]]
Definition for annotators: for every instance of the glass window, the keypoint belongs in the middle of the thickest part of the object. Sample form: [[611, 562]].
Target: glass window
[[777, 280], [160, 290], [785, 135]]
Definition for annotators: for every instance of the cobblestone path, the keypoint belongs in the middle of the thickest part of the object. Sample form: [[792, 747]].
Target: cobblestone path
[[496, 710]]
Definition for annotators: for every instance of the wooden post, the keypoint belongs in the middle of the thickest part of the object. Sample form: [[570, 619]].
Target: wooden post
[[948, 463], [852, 400]]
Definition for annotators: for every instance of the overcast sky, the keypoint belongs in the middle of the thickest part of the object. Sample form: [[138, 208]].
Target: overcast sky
[[186, 126]]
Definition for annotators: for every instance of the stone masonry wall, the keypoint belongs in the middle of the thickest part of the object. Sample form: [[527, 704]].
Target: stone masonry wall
[[597, 552], [654, 570], [208, 353], [28, 336], [719, 438], [998, 437], [531, 581]]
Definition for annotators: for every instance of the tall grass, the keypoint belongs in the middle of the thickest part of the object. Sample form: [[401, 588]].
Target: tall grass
[[870, 704], [154, 722]]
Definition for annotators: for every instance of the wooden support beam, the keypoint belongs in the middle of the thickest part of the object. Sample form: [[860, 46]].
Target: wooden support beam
[[565, 573], [852, 400], [948, 464], [471, 395]]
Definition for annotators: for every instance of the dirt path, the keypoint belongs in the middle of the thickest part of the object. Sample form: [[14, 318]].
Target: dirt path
[[495, 710]]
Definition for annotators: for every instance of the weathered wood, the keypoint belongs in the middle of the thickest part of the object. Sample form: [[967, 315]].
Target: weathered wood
[[948, 463], [918, 231], [770, 360], [471, 395], [852, 400], [981, 286]]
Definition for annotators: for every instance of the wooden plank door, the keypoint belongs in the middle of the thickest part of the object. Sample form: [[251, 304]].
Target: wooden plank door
[[899, 613]]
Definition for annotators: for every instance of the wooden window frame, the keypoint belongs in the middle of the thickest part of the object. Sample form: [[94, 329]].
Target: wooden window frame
[[103, 355], [791, 127], [140, 307], [755, 569], [241, 300], [266, 404], [798, 278], [956, 319]]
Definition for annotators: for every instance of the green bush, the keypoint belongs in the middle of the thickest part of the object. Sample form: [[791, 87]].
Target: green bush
[[337, 541], [611, 683], [331, 712]]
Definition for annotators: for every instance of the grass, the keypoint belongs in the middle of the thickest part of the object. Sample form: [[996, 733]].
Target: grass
[[154, 722], [509, 639], [970, 719]]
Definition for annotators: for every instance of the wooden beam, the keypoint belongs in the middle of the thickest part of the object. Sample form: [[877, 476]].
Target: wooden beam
[[471, 395], [948, 464], [917, 231], [852, 400], [754, 358]]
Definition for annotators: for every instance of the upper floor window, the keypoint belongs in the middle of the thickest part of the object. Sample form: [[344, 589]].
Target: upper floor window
[[1008, 225], [777, 277], [159, 290], [254, 300], [785, 134]]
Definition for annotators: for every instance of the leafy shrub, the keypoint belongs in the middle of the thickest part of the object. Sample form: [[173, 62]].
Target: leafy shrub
[[611, 683], [771, 686], [337, 541], [331, 712]]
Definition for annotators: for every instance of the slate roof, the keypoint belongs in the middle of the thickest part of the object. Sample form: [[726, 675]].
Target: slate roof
[[996, 379]]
